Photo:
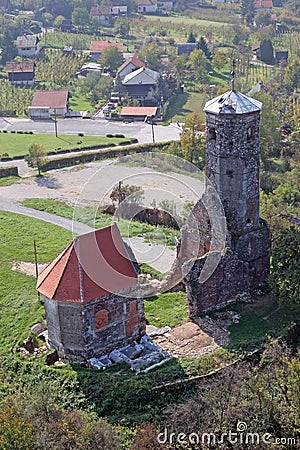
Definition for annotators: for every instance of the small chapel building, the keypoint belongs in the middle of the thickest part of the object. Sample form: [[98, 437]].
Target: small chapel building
[[92, 297]]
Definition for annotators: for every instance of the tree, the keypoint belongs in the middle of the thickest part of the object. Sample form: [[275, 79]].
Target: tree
[[58, 21], [247, 11], [80, 17], [220, 58], [263, 18], [192, 140], [36, 156], [292, 74], [198, 62], [266, 51], [111, 58], [202, 45], [151, 53], [191, 38], [285, 266]]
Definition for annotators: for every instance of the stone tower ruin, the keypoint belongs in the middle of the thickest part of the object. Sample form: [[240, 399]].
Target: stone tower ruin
[[232, 168]]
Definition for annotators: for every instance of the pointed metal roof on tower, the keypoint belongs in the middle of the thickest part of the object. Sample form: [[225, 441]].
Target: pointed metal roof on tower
[[232, 102]]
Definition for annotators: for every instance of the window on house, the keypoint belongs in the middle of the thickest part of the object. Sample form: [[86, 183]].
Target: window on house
[[250, 134]]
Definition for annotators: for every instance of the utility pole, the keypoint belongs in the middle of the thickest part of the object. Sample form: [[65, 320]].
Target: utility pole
[[152, 126], [119, 198], [36, 266], [55, 122]]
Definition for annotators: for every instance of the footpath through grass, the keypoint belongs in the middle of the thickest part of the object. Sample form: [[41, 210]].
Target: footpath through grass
[[89, 216], [17, 144], [19, 308]]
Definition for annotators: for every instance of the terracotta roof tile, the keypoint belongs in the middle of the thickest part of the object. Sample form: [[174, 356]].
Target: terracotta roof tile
[[138, 111], [134, 59], [100, 46], [22, 66], [91, 266], [54, 99]]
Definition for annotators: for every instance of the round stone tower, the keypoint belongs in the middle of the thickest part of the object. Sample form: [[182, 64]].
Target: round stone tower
[[232, 167]]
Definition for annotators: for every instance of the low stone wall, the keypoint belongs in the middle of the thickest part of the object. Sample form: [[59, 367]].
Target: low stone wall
[[9, 172]]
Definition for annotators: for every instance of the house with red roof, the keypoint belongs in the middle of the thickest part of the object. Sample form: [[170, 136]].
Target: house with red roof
[[49, 103], [130, 65], [92, 296], [20, 72], [98, 47], [263, 5], [132, 113]]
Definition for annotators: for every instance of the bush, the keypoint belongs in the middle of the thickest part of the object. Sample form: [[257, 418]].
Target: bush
[[109, 135], [119, 135], [80, 134], [30, 132], [13, 131], [79, 142], [19, 132], [4, 131]]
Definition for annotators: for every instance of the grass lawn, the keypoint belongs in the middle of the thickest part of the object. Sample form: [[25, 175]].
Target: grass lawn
[[259, 320], [183, 20], [18, 299], [86, 214], [15, 144], [7, 181], [183, 104], [166, 309], [79, 103]]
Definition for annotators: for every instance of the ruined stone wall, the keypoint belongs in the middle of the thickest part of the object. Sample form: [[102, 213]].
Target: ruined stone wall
[[79, 331]]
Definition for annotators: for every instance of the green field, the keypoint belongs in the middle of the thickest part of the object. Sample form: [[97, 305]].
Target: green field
[[18, 299], [89, 216], [183, 20], [183, 104], [15, 144]]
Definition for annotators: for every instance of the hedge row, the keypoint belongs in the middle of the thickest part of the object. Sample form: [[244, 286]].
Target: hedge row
[[58, 163]]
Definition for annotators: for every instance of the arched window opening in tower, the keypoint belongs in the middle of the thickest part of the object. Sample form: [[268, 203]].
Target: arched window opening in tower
[[250, 134], [212, 135]]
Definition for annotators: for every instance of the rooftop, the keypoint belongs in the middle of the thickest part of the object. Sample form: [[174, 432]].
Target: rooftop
[[20, 67], [144, 75], [139, 111], [100, 46], [53, 99], [134, 59], [91, 266], [28, 40], [232, 102]]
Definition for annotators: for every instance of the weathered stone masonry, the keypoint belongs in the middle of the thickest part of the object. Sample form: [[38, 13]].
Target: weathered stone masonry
[[232, 167]]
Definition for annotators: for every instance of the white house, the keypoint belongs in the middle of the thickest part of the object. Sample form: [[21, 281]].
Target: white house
[[146, 6], [28, 45], [55, 101]]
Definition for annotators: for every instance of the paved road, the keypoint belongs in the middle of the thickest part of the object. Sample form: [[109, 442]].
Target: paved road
[[100, 127]]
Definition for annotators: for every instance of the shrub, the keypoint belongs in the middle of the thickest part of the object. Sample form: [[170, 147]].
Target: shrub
[[13, 131], [109, 135], [4, 131], [19, 132], [119, 135], [80, 134], [79, 142]]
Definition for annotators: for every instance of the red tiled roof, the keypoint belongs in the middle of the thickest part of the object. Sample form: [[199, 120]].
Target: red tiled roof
[[139, 111], [262, 4], [22, 66], [100, 46], [54, 99], [92, 265], [134, 59]]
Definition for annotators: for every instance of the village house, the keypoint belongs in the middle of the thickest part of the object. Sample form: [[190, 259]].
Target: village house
[[165, 5], [130, 65], [186, 48], [48, 103], [140, 85], [20, 72], [146, 6], [263, 5], [28, 45], [98, 47], [105, 14], [92, 296], [138, 113], [66, 26]]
